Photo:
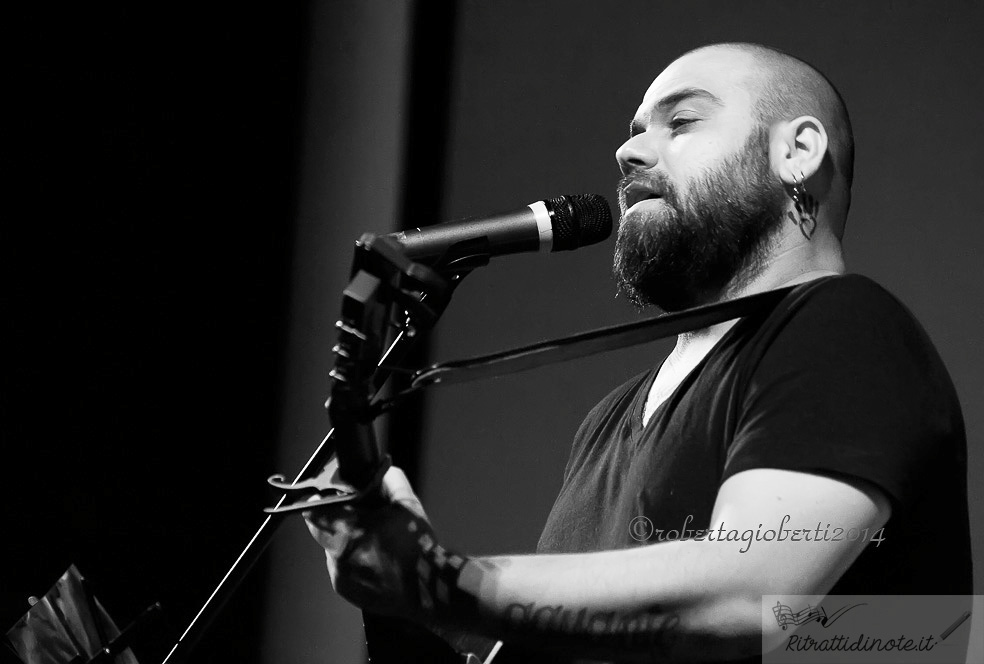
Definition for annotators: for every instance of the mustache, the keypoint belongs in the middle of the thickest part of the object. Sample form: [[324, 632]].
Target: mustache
[[651, 180]]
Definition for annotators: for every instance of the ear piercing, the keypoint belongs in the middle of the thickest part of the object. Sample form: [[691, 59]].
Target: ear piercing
[[806, 207]]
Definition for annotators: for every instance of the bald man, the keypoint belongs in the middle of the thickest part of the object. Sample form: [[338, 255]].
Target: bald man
[[814, 449]]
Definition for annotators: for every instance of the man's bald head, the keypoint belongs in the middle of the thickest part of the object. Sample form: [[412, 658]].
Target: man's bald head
[[738, 162], [785, 88]]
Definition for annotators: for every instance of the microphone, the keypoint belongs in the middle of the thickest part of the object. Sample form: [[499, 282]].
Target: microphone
[[558, 224]]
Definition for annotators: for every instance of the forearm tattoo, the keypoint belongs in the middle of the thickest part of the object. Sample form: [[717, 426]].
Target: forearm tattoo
[[437, 575], [650, 630]]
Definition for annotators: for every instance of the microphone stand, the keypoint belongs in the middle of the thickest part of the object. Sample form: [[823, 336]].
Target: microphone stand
[[377, 254]]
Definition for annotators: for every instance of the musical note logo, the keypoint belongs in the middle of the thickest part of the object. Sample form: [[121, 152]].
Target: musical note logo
[[786, 617]]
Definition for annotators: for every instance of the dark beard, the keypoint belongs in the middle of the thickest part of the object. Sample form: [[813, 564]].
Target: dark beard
[[689, 252]]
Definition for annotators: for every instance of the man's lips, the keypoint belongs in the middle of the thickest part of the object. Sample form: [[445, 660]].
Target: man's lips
[[636, 192]]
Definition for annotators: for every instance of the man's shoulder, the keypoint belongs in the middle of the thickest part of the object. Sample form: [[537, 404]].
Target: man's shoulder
[[847, 303], [854, 290]]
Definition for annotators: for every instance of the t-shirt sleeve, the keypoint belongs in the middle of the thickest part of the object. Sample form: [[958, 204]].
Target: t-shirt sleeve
[[846, 384]]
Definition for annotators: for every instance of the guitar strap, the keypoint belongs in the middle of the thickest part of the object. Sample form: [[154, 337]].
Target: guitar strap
[[595, 341]]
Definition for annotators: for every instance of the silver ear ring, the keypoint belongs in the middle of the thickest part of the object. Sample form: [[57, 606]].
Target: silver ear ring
[[799, 190], [806, 207]]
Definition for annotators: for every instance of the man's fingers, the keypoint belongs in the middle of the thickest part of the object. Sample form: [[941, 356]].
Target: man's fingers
[[332, 569], [328, 517], [334, 535], [329, 478], [396, 487], [332, 527], [336, 527]]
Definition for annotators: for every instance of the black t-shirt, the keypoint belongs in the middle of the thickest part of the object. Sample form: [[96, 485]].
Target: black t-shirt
[[838, 379]]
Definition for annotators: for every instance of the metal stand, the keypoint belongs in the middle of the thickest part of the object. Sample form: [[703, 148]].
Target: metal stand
[[420, 295]]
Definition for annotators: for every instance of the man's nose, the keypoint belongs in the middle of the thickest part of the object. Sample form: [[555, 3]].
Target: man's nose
[[636, 154]]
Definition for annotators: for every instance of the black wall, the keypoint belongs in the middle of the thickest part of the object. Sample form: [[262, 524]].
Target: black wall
[[148, 221]]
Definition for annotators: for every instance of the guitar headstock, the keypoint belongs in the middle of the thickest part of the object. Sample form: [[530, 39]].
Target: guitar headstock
[[360, 328], [384, 282]]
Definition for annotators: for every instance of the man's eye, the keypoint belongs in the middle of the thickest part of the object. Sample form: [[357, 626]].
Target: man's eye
[[680, 122]]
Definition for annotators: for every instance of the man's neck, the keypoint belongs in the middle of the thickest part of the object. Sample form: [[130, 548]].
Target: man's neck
[[788, 264]]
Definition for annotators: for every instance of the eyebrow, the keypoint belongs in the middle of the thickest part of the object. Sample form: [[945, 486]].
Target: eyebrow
[[671, 100]]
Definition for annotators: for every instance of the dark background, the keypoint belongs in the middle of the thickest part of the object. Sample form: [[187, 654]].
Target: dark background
[[183, 189], [146, 244]]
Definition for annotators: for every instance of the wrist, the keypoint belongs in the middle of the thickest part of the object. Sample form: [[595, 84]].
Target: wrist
[[442, 597]]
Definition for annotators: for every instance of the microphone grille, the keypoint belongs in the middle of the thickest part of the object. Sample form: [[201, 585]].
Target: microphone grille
[[579, 220]]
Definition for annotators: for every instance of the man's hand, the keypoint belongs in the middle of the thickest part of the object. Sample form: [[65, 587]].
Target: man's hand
[[379, 557]]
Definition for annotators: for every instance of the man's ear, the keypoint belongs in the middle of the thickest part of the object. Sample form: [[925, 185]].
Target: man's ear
[[799, 148]]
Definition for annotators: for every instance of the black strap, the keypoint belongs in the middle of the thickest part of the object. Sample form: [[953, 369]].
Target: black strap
[[595, 341]]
